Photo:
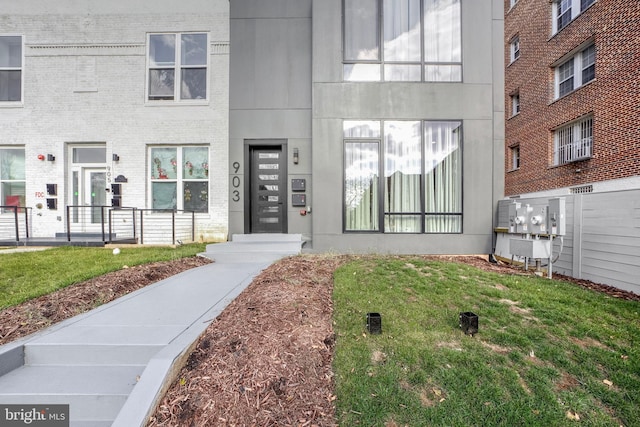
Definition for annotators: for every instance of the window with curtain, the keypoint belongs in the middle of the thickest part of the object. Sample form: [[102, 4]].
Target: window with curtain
[[10, 68], [403, 176], [180, 178], [12, 177], [177, 67], [402, 40]]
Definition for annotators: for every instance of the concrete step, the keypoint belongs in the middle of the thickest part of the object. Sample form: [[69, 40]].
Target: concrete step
[[266, 237], [93, 393], [91, 354]]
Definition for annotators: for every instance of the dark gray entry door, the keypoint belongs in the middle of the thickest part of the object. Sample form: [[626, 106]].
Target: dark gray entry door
[[268, 190]]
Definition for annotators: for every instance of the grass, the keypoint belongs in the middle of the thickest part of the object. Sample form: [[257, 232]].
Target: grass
[[548, 353], [27, 275]]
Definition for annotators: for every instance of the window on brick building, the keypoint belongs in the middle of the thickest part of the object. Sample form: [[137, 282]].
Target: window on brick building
[[515, 104], [402, 40], [180, 178], [12, 177], [573, 142], [177, 67], [566, 77], [564, 11], [512, 2], [10, 69], [515, 157], [514, 48]]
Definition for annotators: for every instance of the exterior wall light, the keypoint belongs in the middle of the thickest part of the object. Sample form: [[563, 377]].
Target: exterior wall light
[[115, 157], [51, 158], [296, 156]]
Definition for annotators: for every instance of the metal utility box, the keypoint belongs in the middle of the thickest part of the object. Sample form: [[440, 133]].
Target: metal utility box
[[298, 200], [298, 184], [52, 189], [513, 213], [538, 220], [557, 217], [530, 248], [523, 219]]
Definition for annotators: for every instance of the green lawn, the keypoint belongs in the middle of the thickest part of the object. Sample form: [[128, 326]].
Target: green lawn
[[27, 275], [548, 353]]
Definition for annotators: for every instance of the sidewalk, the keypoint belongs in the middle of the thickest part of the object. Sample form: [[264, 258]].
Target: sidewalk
[[112, 363]]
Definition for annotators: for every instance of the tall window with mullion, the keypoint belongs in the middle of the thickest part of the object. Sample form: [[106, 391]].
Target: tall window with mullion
[[417, 172], [421, 40], [10, 68], [180, 178], [12, 177], [177, 67]]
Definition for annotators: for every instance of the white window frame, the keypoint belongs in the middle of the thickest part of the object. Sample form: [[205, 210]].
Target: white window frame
[[180, 177], [573, 7], [573, 142], [515, 157], [20, 68], [577, 66], [512, 3], [514, 48], [515, 104], [12, 180], [178, 66]]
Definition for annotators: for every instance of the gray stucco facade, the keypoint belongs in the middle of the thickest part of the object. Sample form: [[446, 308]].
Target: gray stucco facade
[[287, 89]]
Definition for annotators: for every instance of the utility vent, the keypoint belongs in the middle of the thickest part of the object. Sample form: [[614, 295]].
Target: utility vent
[[582, 189]]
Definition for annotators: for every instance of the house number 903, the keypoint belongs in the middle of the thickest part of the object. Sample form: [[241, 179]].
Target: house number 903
[[235, 182]]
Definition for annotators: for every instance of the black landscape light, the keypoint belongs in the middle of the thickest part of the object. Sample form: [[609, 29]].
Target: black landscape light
[[469, 323], [374, 323]]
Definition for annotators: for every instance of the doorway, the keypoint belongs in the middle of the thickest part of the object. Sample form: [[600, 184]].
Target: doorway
[[268, 189], [88, 187]]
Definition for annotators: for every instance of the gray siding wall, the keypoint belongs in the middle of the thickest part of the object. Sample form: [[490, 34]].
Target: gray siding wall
[[477, 101], [270, 93], [602, 243]]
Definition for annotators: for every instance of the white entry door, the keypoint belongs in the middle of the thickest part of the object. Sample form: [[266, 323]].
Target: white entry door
[[88, 188]]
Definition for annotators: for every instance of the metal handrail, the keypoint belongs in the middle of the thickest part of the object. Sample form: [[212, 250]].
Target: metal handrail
[[16, 210]]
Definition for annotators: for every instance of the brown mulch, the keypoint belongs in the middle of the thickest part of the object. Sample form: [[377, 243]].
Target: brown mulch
[[265, 361]]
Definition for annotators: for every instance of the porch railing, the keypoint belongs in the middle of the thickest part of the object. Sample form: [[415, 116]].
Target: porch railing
[[14, 223], [128, 224]]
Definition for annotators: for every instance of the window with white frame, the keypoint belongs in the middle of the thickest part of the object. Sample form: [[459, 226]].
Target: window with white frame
[[564, 11], [512, 2], [12, 176], [515, 104], [574, 141], [402, 40], [10, 69], [514, 48], [515, 157], [180, 178], [403, 176], [566, 77], [177, 67]]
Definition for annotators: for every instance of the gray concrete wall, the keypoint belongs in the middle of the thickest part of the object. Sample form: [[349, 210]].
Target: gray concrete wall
[[270, 93], [602, 243], [477, 101]]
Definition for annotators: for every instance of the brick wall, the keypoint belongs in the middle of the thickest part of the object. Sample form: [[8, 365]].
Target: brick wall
[[613, 98]]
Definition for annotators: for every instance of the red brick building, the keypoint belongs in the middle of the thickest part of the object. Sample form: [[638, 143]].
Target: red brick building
[[572, 96]]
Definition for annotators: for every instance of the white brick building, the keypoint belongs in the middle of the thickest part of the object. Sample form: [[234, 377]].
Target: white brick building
[[86, 96]]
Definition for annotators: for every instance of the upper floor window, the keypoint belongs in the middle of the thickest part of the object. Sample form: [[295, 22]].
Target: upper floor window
[[564, 11], [402, 40], [573, 142], [577, 71], [515, 48], [10, 68], [12, 177], [515, 157], [177, 67], [515, 104]]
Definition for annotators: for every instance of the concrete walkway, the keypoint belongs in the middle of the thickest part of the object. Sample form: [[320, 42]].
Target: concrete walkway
[[111, 364]]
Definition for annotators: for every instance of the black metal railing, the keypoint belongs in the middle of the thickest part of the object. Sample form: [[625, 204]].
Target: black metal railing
[[128, 224], [14, 223]]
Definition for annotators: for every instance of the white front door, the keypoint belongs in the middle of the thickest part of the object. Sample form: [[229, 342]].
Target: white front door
[[88, 188]]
